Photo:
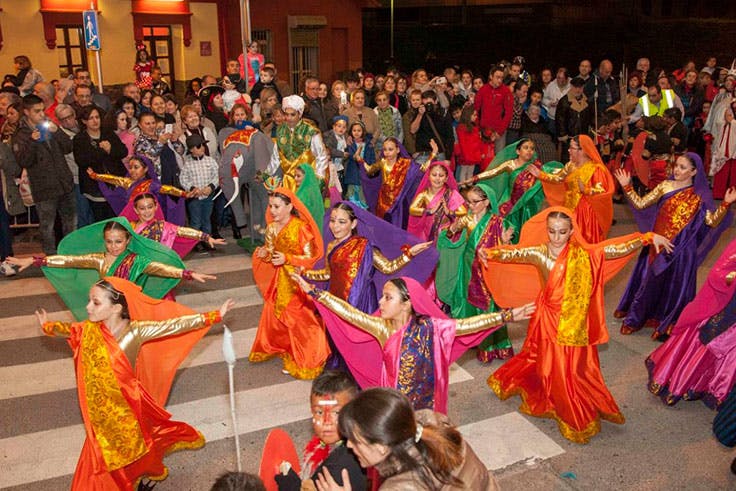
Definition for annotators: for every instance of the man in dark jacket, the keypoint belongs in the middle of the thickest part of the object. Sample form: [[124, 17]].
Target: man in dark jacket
[[435, 125], [39, 148], [602, 88], [315, 105], [574, 114]]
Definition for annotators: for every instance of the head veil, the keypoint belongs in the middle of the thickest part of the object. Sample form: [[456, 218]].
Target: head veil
[[417, 225]]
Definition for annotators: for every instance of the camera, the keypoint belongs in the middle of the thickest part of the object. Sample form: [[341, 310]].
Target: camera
[[429, 107]]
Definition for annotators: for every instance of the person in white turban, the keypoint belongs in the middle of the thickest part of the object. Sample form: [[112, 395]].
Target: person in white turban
[[297, 142]]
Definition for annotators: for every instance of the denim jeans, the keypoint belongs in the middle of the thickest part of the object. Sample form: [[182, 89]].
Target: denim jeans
[[84, 212], [199, 214], [66, 206]]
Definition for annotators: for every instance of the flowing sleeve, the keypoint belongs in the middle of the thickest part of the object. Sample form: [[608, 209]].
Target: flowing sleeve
[[375, 326], [122, 182], [419, 204], [163, 270], [149, 330], [190, 233], [535, 255], [307, 257], [598, 183], [496, 171], [714, 218], [389, 266], [623, 249], [483, 322], [57, 329], [557, 177], [172, 191], [641, 202], [322, 274], [82, 261], [372, 169]]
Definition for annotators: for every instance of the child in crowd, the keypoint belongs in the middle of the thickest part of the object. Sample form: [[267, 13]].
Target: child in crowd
[[471, 154], [337, 144], [267, 75], [199, 176], [360, 152], [331, 390]]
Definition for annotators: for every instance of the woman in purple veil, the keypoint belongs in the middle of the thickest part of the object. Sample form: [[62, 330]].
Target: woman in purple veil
[[390, 184], [362, 252], [681, 209], [142, 179]]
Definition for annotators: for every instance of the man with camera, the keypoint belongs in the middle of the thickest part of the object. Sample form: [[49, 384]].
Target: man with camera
[[432, 123], [39, 148]]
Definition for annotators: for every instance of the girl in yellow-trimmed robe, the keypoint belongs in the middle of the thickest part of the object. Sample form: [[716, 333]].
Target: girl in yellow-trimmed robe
[[288, 327], [125, 357]]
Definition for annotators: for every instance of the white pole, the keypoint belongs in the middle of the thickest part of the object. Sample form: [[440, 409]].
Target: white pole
[[228, 352], [392, 32], [99, 71]]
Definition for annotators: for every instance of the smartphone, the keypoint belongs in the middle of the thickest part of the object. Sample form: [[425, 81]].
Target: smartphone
[[169, 128], [343, 97]]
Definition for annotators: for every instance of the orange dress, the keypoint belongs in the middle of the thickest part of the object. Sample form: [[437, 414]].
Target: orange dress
[[594, 205], [557, 373], [289, 327], [128, 432]]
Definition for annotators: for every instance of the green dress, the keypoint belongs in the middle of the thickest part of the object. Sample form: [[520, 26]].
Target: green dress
[[310, 194], [83, 248]]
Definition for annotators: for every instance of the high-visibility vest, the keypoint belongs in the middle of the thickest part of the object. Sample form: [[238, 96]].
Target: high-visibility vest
[[667, 101]]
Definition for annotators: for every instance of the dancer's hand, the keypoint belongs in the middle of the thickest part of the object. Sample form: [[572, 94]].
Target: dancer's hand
[[534, 170], [303, 284], [213, 242], [660, 242], [202, 278], [41, 316], [623, 177], [523, 312], [730, 196], [419, 248], [261, 253], [434, 147], [507, 235], [278, 258], [325, 481], [228, 305], [21, 262]]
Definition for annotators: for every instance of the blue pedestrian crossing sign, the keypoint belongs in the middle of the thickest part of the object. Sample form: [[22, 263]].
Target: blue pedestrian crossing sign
[[91, 32]]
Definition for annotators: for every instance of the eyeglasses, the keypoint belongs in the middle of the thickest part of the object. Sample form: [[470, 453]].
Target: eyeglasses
[[64, 118]]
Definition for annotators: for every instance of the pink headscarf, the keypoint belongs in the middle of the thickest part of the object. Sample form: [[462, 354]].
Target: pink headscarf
[[420, 226]]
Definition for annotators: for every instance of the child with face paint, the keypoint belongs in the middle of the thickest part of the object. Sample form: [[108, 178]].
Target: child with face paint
[[326, 450]]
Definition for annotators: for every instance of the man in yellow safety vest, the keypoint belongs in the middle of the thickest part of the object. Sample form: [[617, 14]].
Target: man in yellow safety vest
[[655, 102]]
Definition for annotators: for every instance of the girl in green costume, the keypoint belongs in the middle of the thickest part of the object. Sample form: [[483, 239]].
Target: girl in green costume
[[80, 263], [520, 195], [459, 277]]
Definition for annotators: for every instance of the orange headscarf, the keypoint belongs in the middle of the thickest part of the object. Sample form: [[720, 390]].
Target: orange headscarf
[[264, 275], [159, 359], [527, 282], [602, 204]]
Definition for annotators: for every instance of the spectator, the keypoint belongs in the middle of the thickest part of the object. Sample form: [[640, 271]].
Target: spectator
[[255, 62], [495, 105], [25, 75], [358, 112], [315, 105], [232, 79], [47, 93], [39, 148], [69, 124], [200, 178], [389, 119], [410, 121], [584, 70], [574, 114], [82, 77], [602, 89], [692, 97], [143, 68], [513, 132], [283, 86], [101, 150], [266, 81], [433, 125], [158, 84], [83, 98]]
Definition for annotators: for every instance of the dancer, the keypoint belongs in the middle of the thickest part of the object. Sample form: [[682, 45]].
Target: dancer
[[437, 202], [288, 327], [128, 431], [459, 281], [309, 192], [583, 185], [389, 195], [81, 262], [149, 222], [410, 344], [698, 361], [682, 210], [519, 192], [557, 372], [142, 179]]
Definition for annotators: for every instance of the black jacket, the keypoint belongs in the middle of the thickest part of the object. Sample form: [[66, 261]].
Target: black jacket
[[48, 171], [570, 122], [88, 154]]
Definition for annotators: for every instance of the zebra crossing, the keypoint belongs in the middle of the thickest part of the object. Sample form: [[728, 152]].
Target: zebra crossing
[[41, 431]]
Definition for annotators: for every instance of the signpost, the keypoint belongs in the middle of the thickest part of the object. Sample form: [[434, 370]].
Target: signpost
[[92, 39]]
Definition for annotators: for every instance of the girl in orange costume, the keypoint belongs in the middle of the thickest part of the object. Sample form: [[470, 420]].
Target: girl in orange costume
[[583, 185], [115, 352], [557, 372], [288, 327]]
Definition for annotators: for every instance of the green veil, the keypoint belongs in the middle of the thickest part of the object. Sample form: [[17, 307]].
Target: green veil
[[73, 284], [310, 194]]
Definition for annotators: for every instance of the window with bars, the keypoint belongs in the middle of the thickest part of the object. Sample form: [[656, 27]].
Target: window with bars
[[70, 49], [263, 37], [304, 55]]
